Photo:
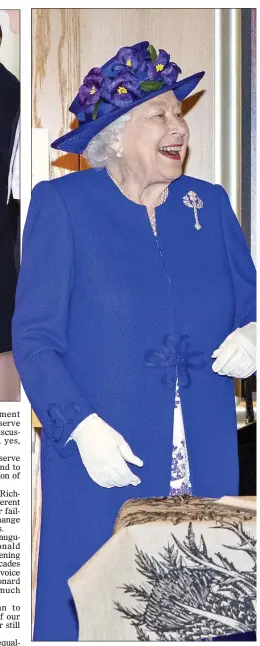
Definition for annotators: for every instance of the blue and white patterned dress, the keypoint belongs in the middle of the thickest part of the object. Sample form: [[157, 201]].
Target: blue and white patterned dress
[[180, 472]]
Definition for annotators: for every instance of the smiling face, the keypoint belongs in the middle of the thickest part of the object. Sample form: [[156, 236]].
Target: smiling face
[[155, 139]]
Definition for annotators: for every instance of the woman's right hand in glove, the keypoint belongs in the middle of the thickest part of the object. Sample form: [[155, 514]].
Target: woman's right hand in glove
[[104, 453]]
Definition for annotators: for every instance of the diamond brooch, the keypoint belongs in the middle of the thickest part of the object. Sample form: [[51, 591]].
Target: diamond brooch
[[193, 201]]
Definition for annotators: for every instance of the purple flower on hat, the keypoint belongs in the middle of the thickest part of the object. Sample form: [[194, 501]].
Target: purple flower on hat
[[89, 91], [127, 59], [162, 70], [131, 59], [122, 90]]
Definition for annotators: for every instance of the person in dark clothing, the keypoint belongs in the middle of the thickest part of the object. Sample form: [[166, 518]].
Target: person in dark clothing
[[9, 227]]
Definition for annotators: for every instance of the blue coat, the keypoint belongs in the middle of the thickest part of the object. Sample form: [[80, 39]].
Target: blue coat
[[105, 318]]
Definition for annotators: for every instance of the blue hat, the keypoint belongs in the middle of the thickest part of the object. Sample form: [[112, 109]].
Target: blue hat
[[136, 74]]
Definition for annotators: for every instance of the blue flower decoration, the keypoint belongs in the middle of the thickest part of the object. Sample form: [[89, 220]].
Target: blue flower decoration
[[162, 70], [176, 360], [122, 90], [130, 59], [123, 79], [89, 91]]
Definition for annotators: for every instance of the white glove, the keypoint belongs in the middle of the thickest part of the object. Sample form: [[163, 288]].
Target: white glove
[[236, 356], [103, 452]]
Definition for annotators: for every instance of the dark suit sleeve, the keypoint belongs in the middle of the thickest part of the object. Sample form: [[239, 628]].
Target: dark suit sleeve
[[241, 264], [41, 317]]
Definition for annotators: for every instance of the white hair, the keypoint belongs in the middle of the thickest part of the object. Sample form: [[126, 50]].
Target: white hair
[[99, 151]]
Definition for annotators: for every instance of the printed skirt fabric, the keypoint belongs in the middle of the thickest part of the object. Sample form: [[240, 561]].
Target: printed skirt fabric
[[180, 472]]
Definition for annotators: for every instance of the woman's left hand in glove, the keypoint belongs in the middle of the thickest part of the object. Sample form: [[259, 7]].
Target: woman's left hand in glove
[[236, 356]]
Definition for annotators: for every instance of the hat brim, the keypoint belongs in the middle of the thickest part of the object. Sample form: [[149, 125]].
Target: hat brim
[[77, 140]]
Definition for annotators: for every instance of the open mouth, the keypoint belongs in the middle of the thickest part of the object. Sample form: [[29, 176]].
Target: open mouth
[[173, 152]]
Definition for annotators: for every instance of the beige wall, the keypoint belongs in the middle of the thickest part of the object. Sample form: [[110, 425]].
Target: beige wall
[[68, 42]]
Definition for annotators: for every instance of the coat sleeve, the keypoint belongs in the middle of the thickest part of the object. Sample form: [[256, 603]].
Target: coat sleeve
[[41, 316], [241, 264]]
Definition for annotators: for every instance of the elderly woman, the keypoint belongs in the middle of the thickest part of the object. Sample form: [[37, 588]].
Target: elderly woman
[[132, 278]]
